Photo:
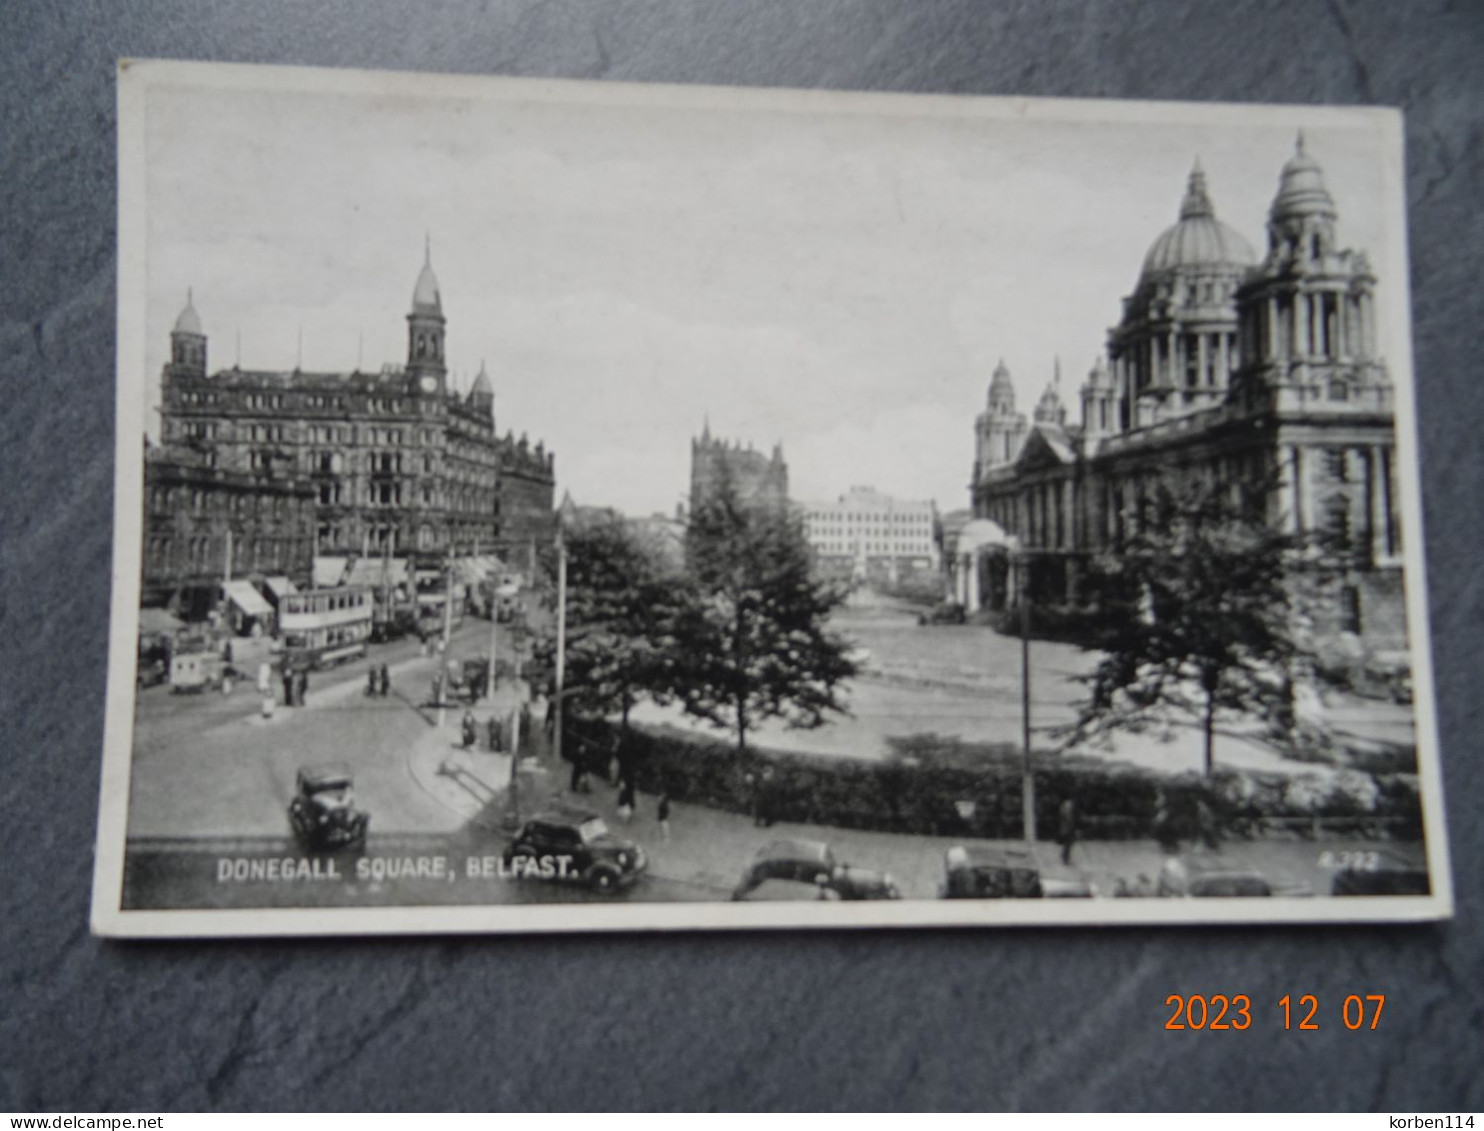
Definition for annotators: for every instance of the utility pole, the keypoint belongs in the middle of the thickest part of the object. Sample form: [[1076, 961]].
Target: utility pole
[[561, 654], [447, 633], [494, 632], [1027, 778]]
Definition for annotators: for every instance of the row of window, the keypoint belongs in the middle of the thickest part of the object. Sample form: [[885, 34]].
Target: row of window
[[164, 553], [168, 500]]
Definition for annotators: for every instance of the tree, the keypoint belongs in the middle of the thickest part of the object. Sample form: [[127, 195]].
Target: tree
[[1200, 616], [751, 637], [621, 602]]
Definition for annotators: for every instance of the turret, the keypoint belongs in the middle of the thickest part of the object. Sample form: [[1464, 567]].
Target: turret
[[425, 357], [188, 343]]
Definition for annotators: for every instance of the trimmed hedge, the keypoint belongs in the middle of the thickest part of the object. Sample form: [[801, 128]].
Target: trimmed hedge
[[945, 787]]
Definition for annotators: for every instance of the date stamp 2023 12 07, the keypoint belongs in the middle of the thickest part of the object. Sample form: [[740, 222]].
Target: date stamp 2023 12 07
[[1303, 1012]]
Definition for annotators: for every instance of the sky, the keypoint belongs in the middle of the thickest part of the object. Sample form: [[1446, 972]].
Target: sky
[[838, 273]]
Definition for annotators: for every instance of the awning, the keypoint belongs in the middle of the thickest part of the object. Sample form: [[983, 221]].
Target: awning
[[376, 572], [328, 572], [248, 599], [280, 586], [155, 622]]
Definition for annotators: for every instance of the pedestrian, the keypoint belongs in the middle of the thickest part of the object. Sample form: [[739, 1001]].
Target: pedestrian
[[372, 681], [265, 678], [1066, 828], [626, 801], [765, 799], [302, 680], [1205, 822], [548, 724], [575, 785], [438, 690], [749, 781], [494, 734], [268, 703], [470, 730], [288, 687], [385, 680], [662, 815]]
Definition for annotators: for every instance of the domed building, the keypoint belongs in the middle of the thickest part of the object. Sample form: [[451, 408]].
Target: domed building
[[1231, 368]]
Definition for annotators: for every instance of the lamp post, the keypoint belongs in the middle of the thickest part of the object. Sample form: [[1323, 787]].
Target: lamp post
[[1027, 777], [561, 644]]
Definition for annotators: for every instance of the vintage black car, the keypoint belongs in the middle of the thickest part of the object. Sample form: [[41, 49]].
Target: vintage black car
[[811, 862], [949, 612], [1196, 876], [575, 844], [323, 813]]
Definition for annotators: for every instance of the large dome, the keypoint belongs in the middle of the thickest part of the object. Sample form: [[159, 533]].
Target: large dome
[[1199, 239]]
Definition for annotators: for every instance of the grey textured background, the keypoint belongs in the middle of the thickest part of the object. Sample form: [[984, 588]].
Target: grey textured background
[[1017, 1019]]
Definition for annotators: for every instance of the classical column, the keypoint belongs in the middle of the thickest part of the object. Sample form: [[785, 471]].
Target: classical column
[[1202, 361], [972, 603], [1288, 489]]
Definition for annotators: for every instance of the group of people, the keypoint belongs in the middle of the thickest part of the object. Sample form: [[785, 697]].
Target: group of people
[[295, 686], [378, 681]]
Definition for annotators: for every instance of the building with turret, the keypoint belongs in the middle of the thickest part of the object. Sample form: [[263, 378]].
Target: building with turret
[[397, 461], [759, 480], [1233, 368]]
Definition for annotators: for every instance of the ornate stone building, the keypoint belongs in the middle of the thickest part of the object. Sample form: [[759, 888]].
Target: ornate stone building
[[1239, 369], [867, 533], [204, 525], [760, 481], [398, 462]]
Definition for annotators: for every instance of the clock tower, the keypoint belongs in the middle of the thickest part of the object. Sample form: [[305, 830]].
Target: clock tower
[[426, 373]]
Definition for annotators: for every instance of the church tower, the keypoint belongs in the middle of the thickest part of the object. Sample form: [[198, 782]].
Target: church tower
[[426, 373], [1308, 312], [1000, 428], [188, 343]]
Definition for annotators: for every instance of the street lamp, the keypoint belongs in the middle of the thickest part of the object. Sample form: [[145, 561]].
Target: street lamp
[[981, 534]]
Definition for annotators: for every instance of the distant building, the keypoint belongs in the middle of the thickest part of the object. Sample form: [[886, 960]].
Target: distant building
[[871, 533], [205, 525], [398, 462], [1228, 368], [759, 480]]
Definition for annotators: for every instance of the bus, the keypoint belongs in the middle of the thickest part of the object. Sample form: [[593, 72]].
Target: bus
[[320, 627]]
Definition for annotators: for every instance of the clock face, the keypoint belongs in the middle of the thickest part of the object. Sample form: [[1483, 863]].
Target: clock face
[[430, 384]]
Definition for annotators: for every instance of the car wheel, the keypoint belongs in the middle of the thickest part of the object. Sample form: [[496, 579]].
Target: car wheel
[[603, 879]]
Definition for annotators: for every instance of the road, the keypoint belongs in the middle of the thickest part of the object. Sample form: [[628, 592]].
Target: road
[[210, 765]]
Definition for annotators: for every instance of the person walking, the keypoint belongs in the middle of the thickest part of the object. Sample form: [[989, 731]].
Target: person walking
[[1066, 828], [303, 685], [288, 687], [373, 681], [662, 815], [626, 801], [384, 677], [493, 728], [470, 730]]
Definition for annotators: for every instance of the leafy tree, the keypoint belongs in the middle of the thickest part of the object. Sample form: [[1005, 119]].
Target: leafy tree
[[751, 637], [621, 602], [1201, 616]]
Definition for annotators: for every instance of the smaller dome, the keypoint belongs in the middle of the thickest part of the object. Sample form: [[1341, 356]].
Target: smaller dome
[[483, 386], [189, 322], [425, 296], [1301, 189], [1199, 239]]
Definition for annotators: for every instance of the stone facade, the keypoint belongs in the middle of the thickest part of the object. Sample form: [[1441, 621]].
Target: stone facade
[[1239, 370], [869, 533], [203, 524], [759, 480], [397, 461]]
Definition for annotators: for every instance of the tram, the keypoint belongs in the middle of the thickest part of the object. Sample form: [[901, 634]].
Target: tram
[[321, 627]]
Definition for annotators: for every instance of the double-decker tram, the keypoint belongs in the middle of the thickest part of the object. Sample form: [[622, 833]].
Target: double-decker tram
[[325, 626]]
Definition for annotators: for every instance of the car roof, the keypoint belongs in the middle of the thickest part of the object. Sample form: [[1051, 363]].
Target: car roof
[[565, 815], [326, 773], [1204, 867], [989, 856], [795, 850]]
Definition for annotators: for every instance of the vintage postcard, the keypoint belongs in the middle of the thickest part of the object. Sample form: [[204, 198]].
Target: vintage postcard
[[579, 506]]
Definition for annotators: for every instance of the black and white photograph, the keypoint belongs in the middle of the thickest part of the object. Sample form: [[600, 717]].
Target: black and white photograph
[[562, 506]]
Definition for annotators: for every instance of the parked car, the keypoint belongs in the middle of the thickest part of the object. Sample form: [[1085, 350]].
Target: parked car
[[948, 612], [813, 863], [1206, 876], [323, 813], [594, 856], [1006, 872]]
